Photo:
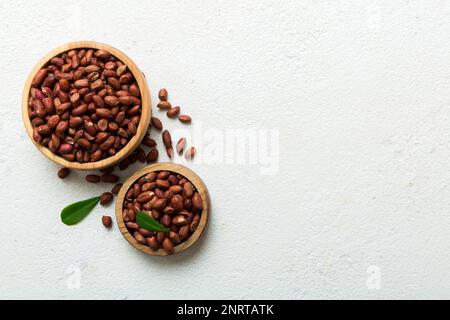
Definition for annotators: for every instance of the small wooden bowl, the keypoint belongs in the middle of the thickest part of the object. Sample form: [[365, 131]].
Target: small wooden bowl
[[177, 168], [145, 113]]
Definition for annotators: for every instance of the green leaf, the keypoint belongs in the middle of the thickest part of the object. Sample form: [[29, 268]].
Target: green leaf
[[77, 211], [148, 223]]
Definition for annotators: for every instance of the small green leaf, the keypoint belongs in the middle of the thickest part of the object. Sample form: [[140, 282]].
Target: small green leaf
[[148, 223], [77, 211]]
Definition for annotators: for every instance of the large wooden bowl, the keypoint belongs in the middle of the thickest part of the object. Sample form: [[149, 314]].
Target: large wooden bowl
[[143, 123], [177, 168]]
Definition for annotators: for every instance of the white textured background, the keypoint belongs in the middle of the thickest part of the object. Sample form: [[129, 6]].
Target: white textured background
[[359, 93]]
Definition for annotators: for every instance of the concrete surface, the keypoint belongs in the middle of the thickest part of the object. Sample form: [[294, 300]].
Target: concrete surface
[[348, 197]]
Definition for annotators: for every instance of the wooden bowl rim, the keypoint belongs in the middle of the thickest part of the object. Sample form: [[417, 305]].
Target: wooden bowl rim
[[173, 167], [144, 122]]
